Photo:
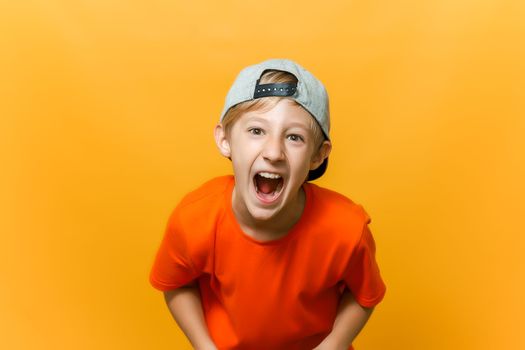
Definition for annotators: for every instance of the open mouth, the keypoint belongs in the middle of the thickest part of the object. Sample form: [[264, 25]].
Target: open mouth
[[268, 186]]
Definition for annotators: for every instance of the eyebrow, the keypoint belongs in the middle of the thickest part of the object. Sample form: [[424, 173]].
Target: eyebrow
[[289, 126], [299, 125], [256, 119]]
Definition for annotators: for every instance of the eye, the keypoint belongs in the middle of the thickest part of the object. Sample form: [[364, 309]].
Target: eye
[[295, 138], [255, 131]]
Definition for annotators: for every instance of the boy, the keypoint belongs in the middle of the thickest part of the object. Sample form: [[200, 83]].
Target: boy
[[264, 259]]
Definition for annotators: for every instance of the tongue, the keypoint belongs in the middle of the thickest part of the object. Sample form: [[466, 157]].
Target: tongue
[[266, 185]]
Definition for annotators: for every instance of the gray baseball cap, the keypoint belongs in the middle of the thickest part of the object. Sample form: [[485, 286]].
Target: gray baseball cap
[[309, 92]]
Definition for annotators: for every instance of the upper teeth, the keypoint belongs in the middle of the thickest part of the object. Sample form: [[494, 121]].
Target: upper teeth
[[270, 175]]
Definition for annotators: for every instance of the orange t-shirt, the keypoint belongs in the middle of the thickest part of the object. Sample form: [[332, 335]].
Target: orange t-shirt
[[280, 294]]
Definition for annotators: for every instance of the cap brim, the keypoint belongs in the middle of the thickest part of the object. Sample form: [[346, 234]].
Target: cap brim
[[317, 173]]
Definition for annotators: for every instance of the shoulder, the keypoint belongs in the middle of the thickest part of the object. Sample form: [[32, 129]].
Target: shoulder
[[337, 216], [191, 225], [334, 204], [210, 191], [199, 210]]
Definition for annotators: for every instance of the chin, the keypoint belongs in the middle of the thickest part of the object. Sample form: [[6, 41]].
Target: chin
[[263, 214]]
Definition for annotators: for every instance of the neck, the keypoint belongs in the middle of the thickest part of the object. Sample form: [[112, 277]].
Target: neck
[[275, 227]]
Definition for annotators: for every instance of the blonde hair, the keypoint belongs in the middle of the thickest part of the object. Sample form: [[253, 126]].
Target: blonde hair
[[265, 103]]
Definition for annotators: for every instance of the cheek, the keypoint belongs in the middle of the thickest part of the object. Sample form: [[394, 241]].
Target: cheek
[[242, 156], [246, 149], [300, 159]]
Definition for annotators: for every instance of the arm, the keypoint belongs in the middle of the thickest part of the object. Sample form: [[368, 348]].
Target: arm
[[351, 318], [185, 306]]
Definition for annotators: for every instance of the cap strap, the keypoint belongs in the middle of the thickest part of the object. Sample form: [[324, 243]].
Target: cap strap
[[279, 89]]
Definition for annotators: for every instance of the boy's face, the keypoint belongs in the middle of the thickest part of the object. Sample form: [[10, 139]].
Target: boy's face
[[272, 152]]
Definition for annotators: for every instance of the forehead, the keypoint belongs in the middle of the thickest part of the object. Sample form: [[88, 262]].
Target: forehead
[[283, 112]]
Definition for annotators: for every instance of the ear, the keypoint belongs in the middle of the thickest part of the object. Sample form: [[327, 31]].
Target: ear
[[223, 144], [320, 155]]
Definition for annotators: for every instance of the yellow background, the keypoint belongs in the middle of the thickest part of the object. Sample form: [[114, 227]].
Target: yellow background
[[106, 117]]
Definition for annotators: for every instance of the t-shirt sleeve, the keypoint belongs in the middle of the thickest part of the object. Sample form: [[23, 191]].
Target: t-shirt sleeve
[[363, 277], [173, 266]]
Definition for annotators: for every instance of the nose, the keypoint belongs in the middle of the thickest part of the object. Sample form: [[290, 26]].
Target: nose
[[273, 149]]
